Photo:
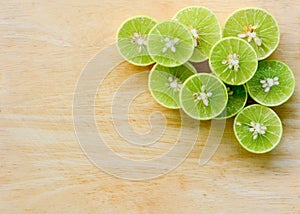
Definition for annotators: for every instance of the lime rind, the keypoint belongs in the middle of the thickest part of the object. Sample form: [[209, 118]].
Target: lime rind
[[247, 62], [282, 92], [135, 53], [206, 27], [170, 43], [164, 90], [217, 99], [261, 53], [264, 142], [234, 104]]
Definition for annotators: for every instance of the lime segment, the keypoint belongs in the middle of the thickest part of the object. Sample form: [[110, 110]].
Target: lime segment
[[237, 99], [205, 27], [233, 60], [258, 129], [256, 26], [203, 96], [165, 83], [273, 83], [170, 43], [132, 40]]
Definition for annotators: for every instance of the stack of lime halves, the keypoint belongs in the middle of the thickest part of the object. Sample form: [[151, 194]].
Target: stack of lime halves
[[237, 59]]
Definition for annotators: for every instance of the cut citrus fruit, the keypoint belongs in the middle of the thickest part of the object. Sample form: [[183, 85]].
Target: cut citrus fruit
[[272, 84], [205, 28], [203, 96], [233, 60], [170, 43], [258, 128], [132, 40], [256, 26], [237, 99], [165, 83]]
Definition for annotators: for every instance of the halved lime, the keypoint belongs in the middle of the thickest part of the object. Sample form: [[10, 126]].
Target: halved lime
[[205, 27], [170, 43], [258, 128], [203, 96], [256, 26], [132, 40], [165, 83], [237, 99], [233, 60], [272, 84]]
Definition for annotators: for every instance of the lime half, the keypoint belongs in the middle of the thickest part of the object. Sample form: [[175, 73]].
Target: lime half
[[165, 83], [203, 96], [170, 43], [256, 26], [258, 128], [132, 40], [273, 83], [205, 28], [233, 60], [237, 99]]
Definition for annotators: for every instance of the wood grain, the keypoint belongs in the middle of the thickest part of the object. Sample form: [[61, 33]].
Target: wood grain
[[44, 47]]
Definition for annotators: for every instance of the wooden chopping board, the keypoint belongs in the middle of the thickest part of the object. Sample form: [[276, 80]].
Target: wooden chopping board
[[45, 45]]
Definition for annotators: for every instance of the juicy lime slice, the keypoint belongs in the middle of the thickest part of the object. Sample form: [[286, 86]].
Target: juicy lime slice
[[237, 99], [205, 28], [203, 96], [132, 40], [233, 60], [170, 43], [256, 26], [258, 128], [165, 83], [272, 84]]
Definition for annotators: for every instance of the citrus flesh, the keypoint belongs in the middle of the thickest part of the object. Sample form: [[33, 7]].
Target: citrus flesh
[[132, 40], [237, 99], [203, 96], [205, 27], [258, 128], [233, 60], [165, 83], [256, 26], [273, 83], [170, 43]]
